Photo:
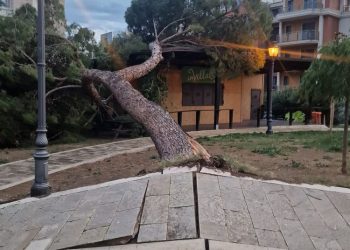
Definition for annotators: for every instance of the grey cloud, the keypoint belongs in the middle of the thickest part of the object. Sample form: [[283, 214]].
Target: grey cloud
[[100, 16]]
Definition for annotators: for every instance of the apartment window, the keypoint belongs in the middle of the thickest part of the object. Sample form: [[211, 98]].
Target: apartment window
[[274, 34], [199, 94], [290, 5], [310, 4], [275, 11], [308, 31], [274, 83], [6, 3], [288, 29], [285, 81]]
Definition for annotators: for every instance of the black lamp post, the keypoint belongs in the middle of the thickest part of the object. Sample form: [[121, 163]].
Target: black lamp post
[[273, 53], [41, 186]]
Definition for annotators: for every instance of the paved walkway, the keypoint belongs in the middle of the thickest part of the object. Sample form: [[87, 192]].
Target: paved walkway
[[14, 173], [181, 211]]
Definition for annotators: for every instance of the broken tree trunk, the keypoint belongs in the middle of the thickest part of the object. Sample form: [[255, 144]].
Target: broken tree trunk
[[171, 142]]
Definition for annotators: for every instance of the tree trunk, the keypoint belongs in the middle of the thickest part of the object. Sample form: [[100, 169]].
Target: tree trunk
[[170, 140], [345, 137], [331, 115]]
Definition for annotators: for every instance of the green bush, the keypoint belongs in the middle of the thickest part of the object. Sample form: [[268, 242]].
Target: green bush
[[282, 100], [297, 116]]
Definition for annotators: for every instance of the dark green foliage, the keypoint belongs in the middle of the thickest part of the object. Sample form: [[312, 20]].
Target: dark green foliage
[[225, 30], [329, 76], [153, 86], [284, 100], [67, 110]]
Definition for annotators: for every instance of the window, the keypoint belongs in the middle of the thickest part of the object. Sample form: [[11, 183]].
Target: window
[[275, 11], [310, 4], [290, 5], [285, 80], [308, 31], [199, 94], [274, 82]]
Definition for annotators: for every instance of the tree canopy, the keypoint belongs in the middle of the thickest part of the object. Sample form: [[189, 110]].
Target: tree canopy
[[229, 31], [329, 77]]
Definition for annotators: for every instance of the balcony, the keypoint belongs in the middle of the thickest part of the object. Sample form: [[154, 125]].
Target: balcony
[[303, 10], [4, 11], [300, 37], [310, 5]]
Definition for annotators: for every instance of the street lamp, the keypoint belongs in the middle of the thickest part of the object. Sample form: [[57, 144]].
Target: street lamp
[[41, 186], [273, 53]]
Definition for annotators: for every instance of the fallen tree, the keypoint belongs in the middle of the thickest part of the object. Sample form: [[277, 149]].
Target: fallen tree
[[171, 142]]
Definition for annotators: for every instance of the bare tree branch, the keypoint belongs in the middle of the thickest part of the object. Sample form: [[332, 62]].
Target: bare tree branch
[[155, 30], [170, 24], [175, 35], [60, 88]]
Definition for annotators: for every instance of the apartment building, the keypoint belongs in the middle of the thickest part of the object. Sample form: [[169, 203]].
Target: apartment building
[[9, 6], [302, 27]]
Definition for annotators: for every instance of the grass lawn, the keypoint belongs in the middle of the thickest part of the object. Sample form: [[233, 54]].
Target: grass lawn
[[301, 157]]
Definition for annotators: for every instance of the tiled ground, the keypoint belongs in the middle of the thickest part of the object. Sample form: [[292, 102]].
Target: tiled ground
[[257, 213], [230, 212]]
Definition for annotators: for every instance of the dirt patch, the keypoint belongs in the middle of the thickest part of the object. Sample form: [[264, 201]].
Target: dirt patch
[[118, 167], [300, 166]]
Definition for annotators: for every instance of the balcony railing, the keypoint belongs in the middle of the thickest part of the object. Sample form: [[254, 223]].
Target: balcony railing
[[303, 35], [4, 11], [303, 6], [346, 8]]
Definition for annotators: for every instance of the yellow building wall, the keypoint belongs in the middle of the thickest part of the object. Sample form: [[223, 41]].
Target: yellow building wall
[[237, 95], [294, 79]]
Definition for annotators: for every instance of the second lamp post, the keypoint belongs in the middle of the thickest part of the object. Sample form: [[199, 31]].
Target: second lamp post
[[273, 53]]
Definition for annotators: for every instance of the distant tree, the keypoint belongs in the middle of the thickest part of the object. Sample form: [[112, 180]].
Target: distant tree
[[329, 77]]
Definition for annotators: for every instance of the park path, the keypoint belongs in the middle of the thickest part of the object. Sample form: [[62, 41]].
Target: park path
[[17, 172], [194, 211]]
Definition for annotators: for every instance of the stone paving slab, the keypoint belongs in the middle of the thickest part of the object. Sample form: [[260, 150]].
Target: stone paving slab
[[252, 212], [74, 219], [218, 245], [169, 211]]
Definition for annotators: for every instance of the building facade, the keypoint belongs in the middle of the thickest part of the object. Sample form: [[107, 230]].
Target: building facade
[[302, 27], [106, 39], [10, 6]]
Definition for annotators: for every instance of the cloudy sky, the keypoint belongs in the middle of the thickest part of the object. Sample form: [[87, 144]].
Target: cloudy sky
[[100, 16]]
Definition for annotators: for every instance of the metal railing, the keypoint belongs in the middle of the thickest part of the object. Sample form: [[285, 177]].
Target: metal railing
[[300, 36], [198, 116], [4, 11], [303, 6]]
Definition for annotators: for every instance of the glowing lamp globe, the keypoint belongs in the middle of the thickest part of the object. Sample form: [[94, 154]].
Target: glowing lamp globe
[[273, 51]]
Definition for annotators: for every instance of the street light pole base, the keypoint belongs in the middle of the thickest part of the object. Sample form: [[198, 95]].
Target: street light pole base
[[269, 132], [39, 190]]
